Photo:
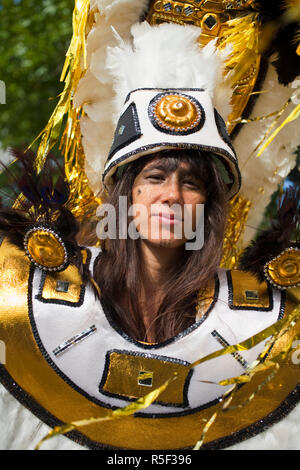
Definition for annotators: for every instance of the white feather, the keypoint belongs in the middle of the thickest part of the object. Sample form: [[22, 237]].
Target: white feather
[[5, 157], [163, 56], [261, 176]]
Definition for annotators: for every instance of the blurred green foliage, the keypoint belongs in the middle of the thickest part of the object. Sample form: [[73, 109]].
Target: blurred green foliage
[[34, 37]]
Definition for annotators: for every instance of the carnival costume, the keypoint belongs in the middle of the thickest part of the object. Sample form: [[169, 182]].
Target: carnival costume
[[232, 373]]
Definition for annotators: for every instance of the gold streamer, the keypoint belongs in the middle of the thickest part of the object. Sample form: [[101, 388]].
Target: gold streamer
[[249, 343], [128, 410], [241, 35], [70, 75], [82, 200], [291, 117], [280, 328], [206, 428], [278, 114]]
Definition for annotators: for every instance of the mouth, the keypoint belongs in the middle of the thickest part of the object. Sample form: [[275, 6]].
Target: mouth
[[167, 217]]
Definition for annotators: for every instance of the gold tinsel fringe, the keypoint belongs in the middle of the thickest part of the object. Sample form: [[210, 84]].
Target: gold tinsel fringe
[[81, 199], [239, 210]]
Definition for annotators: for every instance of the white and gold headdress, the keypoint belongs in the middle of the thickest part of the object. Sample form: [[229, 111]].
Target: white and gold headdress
[[169, 87]]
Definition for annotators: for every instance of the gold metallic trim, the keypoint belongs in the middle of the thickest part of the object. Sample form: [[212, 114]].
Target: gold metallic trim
[[242, 284], [124, 373], [284, 270], [237, 24], [69, 275]]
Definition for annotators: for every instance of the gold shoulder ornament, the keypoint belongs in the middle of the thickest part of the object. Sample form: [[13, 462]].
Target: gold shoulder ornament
[[283, 271]]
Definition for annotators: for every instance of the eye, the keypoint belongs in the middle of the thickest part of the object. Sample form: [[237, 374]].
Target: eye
[[191, 183], [155, 177]]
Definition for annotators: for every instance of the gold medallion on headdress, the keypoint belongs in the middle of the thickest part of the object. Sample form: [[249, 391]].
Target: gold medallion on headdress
[[284, 270], [176, 113]]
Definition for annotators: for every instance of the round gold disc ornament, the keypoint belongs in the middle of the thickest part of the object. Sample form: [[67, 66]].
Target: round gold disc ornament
[[284, 270], [176, 113], [45, 249]]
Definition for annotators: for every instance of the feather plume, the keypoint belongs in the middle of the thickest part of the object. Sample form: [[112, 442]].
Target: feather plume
[[43, 202], [280, 19], [167, 55], [261, 176], [122, 57], [283, 233]]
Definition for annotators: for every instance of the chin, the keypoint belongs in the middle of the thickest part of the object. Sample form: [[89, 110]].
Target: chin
[[166, 243]]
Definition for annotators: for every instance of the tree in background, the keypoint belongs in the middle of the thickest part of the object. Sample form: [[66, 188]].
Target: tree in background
[[34, 37]]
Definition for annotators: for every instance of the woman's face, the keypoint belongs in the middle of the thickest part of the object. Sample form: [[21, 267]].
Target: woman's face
[[167, 202]]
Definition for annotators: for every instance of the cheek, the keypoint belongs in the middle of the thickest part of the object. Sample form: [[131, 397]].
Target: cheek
[[142, 195], [194, 210], [135, 195]]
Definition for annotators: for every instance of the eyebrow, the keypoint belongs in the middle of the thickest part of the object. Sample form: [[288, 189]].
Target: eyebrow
[[155, 167], [182, 171]]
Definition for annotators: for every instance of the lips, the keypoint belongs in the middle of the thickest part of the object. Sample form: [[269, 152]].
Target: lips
[[166, 215], [170, 217]]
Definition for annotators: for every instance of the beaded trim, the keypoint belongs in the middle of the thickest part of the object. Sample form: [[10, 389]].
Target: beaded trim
[[169, 90], [278, 286], [235, 354], [62, 348], [147, 148]]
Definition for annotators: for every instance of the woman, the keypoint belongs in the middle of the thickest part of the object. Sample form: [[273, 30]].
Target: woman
[[161, 297], [164, 315], [161, 307]]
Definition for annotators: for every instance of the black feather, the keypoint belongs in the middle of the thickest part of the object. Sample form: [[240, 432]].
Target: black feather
[[46, 196], [283, 233], [283, 41]]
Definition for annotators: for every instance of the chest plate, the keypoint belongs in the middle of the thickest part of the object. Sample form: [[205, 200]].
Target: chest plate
[[67, 360]]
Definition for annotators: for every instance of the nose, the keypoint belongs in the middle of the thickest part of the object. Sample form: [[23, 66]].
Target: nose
[[171, 191]]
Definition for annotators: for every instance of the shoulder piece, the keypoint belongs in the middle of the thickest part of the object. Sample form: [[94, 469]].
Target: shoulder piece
[[64, 287], [246, 292]]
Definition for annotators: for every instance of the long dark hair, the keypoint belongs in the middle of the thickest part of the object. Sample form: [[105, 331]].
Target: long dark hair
[[118, 270]]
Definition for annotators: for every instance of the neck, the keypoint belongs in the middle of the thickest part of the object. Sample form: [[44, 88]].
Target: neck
[[158, 260]]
